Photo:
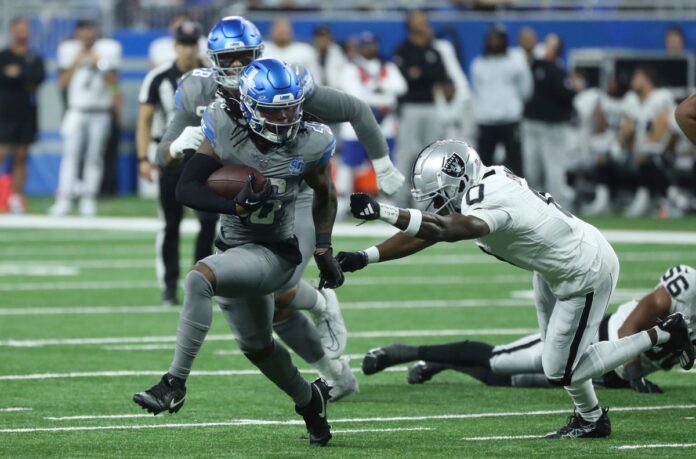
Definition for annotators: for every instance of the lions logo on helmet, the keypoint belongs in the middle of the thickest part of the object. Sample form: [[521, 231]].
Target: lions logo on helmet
[[443, 172], [271, 100]]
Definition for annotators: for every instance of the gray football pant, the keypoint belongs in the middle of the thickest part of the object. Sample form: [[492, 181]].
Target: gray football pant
[[545, 158], [419, 126], [246, 277]]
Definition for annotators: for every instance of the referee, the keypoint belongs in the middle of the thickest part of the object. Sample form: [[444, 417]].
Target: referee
[[156, 110]]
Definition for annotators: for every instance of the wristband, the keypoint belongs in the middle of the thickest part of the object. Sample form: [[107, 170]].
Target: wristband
[[414, 223], [388, 213], [323, 240], [371, 254]]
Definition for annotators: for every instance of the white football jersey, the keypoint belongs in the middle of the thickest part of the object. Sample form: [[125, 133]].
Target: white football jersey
[[680, 283], [530, 231], [643, 113], [161, 51], [88, 89]]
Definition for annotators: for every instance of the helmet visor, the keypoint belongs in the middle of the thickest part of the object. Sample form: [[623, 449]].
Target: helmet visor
[[229, 65]]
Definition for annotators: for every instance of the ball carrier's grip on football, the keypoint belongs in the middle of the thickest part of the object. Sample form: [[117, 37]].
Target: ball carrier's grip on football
[[246, 186]]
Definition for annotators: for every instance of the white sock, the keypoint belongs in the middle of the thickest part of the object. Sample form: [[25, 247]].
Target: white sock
[[308, 298], [662, 336], [605, 356], [329, 369], [585, 400]]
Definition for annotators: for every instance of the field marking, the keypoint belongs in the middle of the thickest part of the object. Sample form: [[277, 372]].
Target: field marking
[[657, 445], [97, 416], [349, 305], [374, 229], [264, 422], [12, 269], [14, 409], [387, 429], [503, 437], [618, 295], [229, 337]]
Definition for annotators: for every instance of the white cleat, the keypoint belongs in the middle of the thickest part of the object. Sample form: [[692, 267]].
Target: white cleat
[[640, 206], [345, 384], [331, 327], [60, 208], [88, 207]]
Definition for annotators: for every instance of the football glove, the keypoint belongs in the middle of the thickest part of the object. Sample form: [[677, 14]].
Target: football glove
[[351, 261], [330, 274], [638, 383], [389, 178], [189, 139], [364, 206], [250, 200]]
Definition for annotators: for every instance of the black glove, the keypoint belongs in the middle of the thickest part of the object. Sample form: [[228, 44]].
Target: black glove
[[251, 200], [330, 274], [364, 206], [351, 261], [638, 383]]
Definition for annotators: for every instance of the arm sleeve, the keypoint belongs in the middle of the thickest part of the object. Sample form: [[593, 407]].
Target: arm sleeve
[[180, 120], [333, 106], [192, 191]]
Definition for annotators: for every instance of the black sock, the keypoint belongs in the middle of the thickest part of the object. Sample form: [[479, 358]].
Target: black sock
[[485, 375], [401, 353], [464, 353]]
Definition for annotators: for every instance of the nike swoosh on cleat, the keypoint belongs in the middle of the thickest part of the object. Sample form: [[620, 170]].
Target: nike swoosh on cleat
[[322, 413], [173, 405]]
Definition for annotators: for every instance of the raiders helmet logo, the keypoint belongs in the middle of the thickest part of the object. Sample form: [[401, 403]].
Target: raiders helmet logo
[[454, 166]]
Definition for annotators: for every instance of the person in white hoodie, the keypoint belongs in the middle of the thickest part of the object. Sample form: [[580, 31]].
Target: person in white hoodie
[[501, 84], [282, 46], [380, 84]]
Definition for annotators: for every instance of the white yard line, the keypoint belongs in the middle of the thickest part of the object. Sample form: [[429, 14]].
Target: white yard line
[[503, 437], [376, 229], [228, 337], [264, 422], [100, 416], [657, 446], [394, 429], [14, 409]]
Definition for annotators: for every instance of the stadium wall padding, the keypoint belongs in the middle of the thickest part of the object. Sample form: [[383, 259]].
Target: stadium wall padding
[[468, 36]]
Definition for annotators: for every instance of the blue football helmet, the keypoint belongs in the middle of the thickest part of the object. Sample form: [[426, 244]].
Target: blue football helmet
[[233, 39], [271, 98]]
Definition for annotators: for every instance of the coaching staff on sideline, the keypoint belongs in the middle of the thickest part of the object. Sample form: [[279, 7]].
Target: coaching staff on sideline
[[21, 72], [156, 110]]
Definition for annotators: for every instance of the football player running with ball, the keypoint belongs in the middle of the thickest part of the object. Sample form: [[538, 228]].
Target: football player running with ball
[[575, 269], [257, 252], [232, 44], [518, 364]]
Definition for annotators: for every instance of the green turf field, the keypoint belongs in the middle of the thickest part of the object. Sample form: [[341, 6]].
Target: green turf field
[[81, 330]]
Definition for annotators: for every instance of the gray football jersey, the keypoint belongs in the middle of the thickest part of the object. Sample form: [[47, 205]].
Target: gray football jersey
[[285, 165], [196, 90]]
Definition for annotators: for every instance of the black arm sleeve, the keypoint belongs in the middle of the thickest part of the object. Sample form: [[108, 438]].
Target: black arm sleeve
[[191, 191]]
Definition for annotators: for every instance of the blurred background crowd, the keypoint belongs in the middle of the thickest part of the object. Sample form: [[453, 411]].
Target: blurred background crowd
[[570, 94]]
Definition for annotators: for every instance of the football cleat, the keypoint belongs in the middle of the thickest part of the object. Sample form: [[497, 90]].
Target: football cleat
[[314, 414], [577, 427], [679, 340], [170, 298], [379, 358], [421, 372], [345, 384], [330, 325], [167, 395]]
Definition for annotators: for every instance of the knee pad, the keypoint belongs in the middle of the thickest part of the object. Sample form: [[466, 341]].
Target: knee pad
[[196, 282], [258, 354], [253, 343], [554, 368]]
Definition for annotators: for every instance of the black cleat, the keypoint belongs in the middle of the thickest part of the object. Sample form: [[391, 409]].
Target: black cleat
[[167, 395], [380, 358], [577, 427], [314, 414], [421, 372], [679, 340]]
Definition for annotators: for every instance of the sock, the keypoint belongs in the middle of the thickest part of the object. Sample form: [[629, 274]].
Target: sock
[[401, 353], [585, 400], [329, 369], [486, 376], [300, 335], [308, 298], [464, 353], [194, 323], [277, 366], [662, 336], [605, 356]]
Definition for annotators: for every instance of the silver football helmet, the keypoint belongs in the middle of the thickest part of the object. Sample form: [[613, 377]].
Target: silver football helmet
[[443, 173]]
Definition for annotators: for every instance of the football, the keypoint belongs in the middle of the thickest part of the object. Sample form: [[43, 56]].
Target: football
[[229, 180]]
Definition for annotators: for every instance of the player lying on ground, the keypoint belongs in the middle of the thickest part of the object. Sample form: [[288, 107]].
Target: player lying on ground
[[233, 43], [257, 251], [518, 364], [575, 268]]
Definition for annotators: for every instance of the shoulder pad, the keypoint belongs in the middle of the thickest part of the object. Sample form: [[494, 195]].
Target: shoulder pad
[[317, 142], [680, 282]]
